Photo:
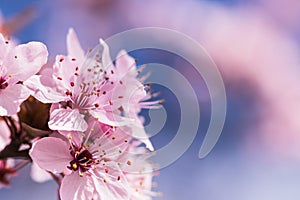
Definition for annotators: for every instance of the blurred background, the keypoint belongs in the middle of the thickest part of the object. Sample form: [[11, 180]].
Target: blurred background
[[256, 46]]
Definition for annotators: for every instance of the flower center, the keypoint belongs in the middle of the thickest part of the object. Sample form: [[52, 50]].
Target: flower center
[[82, 160], [3, 83]]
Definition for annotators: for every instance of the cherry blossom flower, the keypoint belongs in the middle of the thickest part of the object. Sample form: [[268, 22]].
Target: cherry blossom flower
[[81, 86], [17, 63], [95, 163], [77, 86]]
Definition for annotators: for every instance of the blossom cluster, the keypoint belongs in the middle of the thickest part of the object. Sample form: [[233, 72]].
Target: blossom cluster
[[77, 120]]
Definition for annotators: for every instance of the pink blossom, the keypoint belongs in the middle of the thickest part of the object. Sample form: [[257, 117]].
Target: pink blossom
[[17, 63], [80, 87], [95, 163]]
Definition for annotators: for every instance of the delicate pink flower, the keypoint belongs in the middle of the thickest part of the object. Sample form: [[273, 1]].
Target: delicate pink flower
[[81, 87], [93, 162], [78, 87], [17, 63]]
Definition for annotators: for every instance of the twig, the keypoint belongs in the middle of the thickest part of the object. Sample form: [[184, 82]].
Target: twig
[[21, 164]]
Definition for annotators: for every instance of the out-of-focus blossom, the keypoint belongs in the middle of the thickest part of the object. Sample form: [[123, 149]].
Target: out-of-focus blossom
[[4, 135], [39, 175], [13, 24], [265, 57], [18, 63], [94, 163], [249, 47], [286, 17], [6, 171]]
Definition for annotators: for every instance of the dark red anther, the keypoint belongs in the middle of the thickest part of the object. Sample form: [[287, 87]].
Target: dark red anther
[[69, 93]]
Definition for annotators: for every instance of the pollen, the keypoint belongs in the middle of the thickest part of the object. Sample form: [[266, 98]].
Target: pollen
[[74, 166]]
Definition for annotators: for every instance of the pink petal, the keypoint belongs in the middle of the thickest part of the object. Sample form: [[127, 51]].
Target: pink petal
[[106, 60], [11, 98], [67, 120], [111, 189], [51, 154], [139, 133], [110, 118], [4, 135], [73, 46], [40, 87], [74, 187], [26, 60], [75, 135], [4, 48], [126, 65]]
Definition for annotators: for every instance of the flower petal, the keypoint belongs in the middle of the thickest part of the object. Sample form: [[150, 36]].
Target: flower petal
[[126, 65], [26, 60], [110, 118], [110, 188], [4, 47], [67, 120], [106, 60], [75, 187], [51, 154], [11, 98], [39, 87], [73, 46]]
